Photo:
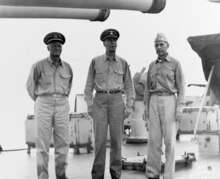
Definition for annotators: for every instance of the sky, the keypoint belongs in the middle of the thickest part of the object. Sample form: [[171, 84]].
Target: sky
[[22, 45]]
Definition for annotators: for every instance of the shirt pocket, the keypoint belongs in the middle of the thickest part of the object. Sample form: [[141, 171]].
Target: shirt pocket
[[47, 77], [65, 79], [169, 73], [100, 76], [119, 74], [153, 75]]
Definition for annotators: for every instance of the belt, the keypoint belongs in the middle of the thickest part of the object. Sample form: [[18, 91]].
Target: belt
[[162, 93], [109, 92], [54, 95]]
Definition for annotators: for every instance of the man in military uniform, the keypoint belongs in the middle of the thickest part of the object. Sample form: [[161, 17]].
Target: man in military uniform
[[164, 99], [49, 84], [109, 75]]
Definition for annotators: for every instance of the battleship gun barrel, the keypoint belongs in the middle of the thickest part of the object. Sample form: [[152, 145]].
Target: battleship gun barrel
[[145, 6], [53, 12]]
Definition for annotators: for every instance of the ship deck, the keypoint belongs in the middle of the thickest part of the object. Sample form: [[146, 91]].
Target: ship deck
[[21, 165]]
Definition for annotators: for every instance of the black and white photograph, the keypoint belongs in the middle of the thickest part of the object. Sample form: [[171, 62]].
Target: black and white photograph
[[110, 89]]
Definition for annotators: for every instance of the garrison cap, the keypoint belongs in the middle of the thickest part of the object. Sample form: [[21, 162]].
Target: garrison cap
[[109, 33], [160, 38], [54, 36]]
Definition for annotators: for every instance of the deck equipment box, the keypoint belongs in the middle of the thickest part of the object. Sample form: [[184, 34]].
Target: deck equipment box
[[208, 122], [81, 132]]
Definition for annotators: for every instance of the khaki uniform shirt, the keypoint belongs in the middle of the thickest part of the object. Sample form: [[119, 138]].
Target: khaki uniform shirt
[[105, 75], [45, 79], [166, 76]]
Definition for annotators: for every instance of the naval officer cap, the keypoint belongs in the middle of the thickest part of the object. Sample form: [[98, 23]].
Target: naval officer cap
[[160, 38], [54, 36], [109, 33]]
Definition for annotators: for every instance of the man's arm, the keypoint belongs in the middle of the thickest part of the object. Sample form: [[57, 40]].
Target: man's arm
[[129, 89], [71, 79], [147, 95], [32, 81], [180, 85], [90, 86]]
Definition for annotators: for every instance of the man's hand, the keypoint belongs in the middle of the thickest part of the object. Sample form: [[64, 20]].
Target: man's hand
[[146, 114], [178, 115], [128, 111], [179, 110], [89, 109]]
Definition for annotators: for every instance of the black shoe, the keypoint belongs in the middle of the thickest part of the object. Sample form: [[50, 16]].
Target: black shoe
[[153, 178], [62, 177]]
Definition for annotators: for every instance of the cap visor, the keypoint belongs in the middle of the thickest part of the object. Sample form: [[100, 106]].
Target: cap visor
[[111, 37], [52, 40]]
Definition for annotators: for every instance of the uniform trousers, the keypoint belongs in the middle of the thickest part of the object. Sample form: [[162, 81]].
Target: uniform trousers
[[108, 110], [52, 118], [162, 126]]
